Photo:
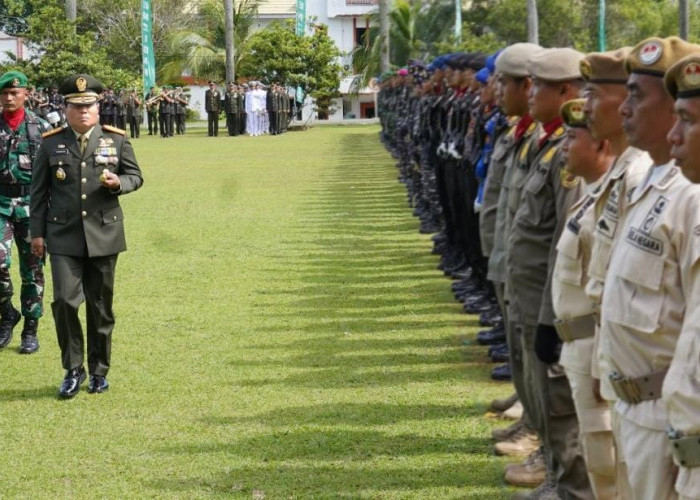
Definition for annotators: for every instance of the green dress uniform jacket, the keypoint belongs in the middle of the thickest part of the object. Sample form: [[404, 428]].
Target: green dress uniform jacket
[[69, 207]]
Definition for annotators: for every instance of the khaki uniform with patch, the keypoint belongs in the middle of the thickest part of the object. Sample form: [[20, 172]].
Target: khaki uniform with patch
[[681, 389], [576, 327], [643, 301]]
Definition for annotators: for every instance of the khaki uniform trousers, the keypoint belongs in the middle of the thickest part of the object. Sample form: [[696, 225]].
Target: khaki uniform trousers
[[653, 477], [595, 434], [554, 419]]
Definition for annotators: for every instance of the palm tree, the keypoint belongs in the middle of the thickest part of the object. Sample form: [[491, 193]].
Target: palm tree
[[414, 29], [533, 30], [203, 54]]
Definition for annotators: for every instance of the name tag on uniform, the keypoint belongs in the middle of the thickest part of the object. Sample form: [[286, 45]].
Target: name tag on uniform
[[59, 151]]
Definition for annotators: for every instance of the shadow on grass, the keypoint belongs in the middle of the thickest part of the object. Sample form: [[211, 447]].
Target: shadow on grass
[[347, 480], [357, 290], [47, 392], [352, 414]]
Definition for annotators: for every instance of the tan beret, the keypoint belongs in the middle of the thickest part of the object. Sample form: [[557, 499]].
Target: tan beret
[[556, 65], [572, 113], [654, 56], [513, 60], [605, 67], [683, 79]]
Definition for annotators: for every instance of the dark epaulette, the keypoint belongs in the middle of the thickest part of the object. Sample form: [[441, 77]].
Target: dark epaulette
[[114, 130], [52, 132]]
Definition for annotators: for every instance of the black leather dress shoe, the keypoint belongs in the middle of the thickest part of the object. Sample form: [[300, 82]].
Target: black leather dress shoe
[[491, 318], [501, 372], [497, 347], [478, 306], [98, 384], [496, 335], [71, 383], [500, 355]]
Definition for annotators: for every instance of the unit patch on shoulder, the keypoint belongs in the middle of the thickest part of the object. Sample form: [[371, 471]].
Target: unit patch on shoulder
[[568, 180]]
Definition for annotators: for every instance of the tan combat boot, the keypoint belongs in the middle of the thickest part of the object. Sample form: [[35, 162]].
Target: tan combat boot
[[505, 433], [532, 472], [520, 444]]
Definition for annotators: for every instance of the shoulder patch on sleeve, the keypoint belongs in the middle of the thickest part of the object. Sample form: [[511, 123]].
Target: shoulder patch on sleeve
[[114, 130], [52, 132]]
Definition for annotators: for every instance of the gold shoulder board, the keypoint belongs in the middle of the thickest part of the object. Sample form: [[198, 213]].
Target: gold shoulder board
[[114, 130], [52, 132]]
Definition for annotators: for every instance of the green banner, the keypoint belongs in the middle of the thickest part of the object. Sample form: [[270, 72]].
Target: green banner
[[149, 60], [301, 17], [301, 31]]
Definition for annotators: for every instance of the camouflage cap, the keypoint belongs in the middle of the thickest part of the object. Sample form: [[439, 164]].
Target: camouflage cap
[[556, 65], [572, 113], [605, 67], [81, 89], [654, 56], [14, 80], [682, 80], [513, 60]]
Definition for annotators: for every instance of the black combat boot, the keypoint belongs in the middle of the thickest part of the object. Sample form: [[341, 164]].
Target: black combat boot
[[30, 342], [9, 317]]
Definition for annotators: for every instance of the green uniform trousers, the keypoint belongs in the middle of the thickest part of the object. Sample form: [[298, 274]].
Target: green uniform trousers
[[90, 280]]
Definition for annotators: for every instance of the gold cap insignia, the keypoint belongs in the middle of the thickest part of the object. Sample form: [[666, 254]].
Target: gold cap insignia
[[650, 53], [691, 74], [60, 174], [81, 83], [576, 112], [15, 82]]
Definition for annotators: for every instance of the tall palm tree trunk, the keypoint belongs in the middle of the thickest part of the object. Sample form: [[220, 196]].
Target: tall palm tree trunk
[[71, 10], [683, 18], [384, 34], [228, 38], [533, 30]]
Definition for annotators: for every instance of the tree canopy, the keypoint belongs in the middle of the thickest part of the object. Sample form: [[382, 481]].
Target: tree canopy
[[277, 53]]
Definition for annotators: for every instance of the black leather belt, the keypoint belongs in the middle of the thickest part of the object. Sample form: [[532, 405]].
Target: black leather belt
[[14, 190]]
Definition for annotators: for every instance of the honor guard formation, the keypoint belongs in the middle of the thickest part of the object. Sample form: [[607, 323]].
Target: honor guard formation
[[562, 191]]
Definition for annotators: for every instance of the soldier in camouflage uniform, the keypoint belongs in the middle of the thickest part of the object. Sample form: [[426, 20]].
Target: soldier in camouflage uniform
[[20, 136]]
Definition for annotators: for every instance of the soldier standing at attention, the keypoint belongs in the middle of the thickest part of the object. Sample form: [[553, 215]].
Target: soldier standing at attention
[[212, 105], [680, 391], [231, 109], [644, 296], [20, 137], [80, 172]]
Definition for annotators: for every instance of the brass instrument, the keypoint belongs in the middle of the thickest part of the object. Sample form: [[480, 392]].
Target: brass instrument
[[157, 98]]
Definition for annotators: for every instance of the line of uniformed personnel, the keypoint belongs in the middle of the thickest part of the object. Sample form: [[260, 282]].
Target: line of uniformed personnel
[[564, 192], [250, 108]]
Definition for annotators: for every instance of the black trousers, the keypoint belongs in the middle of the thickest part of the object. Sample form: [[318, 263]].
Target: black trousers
[[152, 123], [135, 126], [90, 280], [180, 123], [213, 123], [166, 124]]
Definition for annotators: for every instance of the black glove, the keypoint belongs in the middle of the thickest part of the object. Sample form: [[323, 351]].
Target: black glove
[[547, 344]]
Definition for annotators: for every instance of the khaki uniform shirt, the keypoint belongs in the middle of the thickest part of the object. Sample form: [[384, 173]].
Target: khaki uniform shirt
[[492, 188], [548, 191], [518, 157], [645, 291], [610, 208], [569, 299]]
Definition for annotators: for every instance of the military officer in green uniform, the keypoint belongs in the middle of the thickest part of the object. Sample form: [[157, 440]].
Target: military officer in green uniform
[[231, 108], [80, 173], [20, 137]]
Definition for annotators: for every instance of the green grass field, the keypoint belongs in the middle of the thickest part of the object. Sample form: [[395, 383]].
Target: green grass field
[[282, 332]]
